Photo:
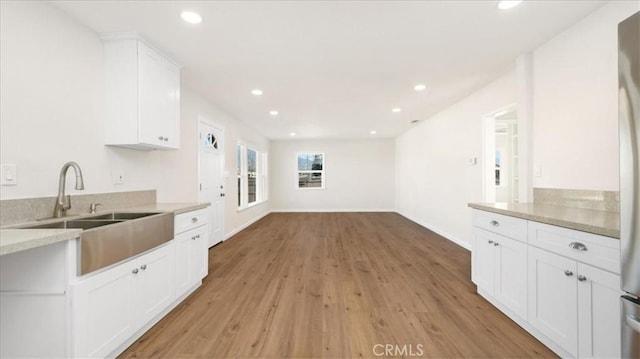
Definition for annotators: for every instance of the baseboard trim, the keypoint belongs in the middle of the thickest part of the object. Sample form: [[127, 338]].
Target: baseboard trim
[[440, 232], [331, 210], [247, 224]]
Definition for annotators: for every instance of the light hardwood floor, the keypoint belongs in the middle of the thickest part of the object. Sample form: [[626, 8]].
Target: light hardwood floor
[[333, 285]]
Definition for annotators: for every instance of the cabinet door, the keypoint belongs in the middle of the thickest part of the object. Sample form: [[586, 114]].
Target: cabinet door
[[598, 313], [171, 112], [155, 282], [200, 254], [104, 311], [511, 275], [152, 117], [553, 296], [483, 259], [183, 261]]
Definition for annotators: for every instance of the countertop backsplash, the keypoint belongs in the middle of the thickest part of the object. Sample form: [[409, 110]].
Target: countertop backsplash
[[13, 211], [586, 199]]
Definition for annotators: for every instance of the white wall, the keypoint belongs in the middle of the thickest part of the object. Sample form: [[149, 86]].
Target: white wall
[[434, 180], [359, 176], [575, 103], [53, 112]]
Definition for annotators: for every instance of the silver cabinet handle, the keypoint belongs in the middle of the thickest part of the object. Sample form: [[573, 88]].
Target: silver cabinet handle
[[194, 219], [166, 139], [495, 223], [161, 138], [577, 246], [490, 242], [581, 278], [143, 267], [135, 271], [197, 236], [222, 195], [496, 244], [568, 273], [193, 237]]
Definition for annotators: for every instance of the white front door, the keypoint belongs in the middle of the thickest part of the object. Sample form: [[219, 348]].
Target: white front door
[[211, 176]]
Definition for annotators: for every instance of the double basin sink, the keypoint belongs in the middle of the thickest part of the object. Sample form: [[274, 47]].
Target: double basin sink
[[110, 238]]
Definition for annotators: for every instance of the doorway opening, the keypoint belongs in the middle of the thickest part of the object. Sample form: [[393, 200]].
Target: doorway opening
[[501, 162]]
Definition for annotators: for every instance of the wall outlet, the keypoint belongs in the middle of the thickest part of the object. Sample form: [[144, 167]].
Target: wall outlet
[[473, 161], [9, 175], [537, 171], [117, 176]]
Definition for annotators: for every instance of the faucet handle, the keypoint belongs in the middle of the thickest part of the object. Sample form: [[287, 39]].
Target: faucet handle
[[67, 206], [93, 207]]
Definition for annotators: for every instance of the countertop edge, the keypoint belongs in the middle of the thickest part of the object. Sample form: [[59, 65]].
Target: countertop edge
[[583, 227], [38, 241]]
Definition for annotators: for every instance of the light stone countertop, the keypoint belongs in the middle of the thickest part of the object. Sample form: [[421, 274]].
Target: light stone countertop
[[604, 223], [14, 239]]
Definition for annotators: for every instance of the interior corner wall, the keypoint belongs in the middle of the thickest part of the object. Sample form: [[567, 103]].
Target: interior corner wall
[[52, 112], [575, 103], [359, 176], [434, 178]]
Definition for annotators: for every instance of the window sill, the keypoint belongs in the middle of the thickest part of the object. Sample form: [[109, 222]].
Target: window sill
[[251, 205]]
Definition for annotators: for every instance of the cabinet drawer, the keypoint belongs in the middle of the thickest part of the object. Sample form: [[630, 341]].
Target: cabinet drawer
[[190, 220], [507, 226], [599, 251]]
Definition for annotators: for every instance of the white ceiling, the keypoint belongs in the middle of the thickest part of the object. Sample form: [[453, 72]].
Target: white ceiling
[[335, 69]]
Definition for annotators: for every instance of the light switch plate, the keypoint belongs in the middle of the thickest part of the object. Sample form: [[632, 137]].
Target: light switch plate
[[9, 175]]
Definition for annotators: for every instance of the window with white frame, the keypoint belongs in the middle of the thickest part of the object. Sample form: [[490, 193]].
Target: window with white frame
[[252, 176], [310, 170]]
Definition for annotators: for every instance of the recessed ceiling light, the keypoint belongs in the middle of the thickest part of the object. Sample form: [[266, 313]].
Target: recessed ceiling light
[[420, 87], [396, 109], [508, 4], [273, 113], [373, 132], [292, 134], [191, 17], [256, 92]]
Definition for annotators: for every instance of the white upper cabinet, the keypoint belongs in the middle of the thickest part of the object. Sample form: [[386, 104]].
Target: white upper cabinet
[[142, 95]]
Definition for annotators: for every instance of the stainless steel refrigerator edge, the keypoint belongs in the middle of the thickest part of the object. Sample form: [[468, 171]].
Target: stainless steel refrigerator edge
[[629, 117]]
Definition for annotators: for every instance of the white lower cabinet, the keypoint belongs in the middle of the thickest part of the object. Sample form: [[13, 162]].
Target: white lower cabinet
[[191, 258], [598, 313], [501, 269], [112, 305], [575, 304], [561, 285], [553, 293]]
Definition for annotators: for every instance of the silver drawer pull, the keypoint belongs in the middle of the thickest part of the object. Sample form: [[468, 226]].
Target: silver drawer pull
[[134, 271], [496, 244], [568, 273], [490, 242], [495, 223], [143, 267], [577, 246], [194, 219], [581, 278], [633, 322]]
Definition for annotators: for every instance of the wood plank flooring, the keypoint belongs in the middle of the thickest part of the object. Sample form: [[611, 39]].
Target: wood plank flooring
[[333, 285]]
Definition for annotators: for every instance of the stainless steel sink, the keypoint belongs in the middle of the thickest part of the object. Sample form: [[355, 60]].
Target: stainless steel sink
[[124, 215], [110, 238], [79, 223]]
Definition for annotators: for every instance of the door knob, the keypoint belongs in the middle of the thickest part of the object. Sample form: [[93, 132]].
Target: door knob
[[135, 271], [143, 267], [568, 273], [581, 278], [222, 195]]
